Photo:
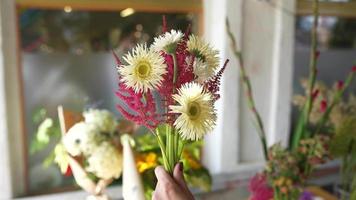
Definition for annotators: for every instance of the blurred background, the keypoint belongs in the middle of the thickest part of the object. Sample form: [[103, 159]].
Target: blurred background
[[58, 52]]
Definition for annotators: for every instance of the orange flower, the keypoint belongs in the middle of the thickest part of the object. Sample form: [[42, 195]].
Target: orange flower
[[193, 163]]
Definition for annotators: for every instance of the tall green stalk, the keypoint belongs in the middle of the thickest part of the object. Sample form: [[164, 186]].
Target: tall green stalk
[[248, 89], [300, 131], [172, 149]]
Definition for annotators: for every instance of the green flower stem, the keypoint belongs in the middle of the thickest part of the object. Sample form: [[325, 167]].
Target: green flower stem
[[169, 149], [304, 117], [172, 137], [248, 89], [176, 144], [162, 146]]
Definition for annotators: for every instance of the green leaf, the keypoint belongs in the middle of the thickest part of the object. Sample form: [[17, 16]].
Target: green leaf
[[344, 141], [39, 115], [49, 160], [199, 178]]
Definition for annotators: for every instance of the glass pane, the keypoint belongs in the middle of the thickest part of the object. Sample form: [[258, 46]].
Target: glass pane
[[66, 60], [337, 46], [333, 32]]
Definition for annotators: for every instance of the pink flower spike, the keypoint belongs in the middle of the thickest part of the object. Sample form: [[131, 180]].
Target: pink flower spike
[[354, 68], [323, 105], [164, 24], [315, 94], [213, 85], [340, 85], [118, 62], [317, 54]]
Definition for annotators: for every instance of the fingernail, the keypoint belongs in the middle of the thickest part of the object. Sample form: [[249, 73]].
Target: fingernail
[[180, 166]]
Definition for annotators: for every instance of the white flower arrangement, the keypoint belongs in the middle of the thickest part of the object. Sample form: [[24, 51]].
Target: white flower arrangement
[[103, 119], [82, 138], [89, 139], [105, 162]]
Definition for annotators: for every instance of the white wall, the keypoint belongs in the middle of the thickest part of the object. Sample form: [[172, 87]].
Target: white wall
[[266, 35]]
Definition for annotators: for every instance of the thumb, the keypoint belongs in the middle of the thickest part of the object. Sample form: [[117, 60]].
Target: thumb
[[179, 177]]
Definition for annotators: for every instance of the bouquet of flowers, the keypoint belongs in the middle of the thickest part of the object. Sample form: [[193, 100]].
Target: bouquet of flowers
[[287, 169], [170, 87], [90, 150]]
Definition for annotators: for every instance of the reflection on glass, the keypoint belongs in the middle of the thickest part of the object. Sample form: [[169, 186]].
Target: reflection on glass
[[337, 46], [333, 32], [66, 60]]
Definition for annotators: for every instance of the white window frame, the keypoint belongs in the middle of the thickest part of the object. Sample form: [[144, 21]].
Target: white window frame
[[221, 145]]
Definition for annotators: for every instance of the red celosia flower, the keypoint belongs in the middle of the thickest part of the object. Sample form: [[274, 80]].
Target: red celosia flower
[[259, 188], [213, 85], [323, 105], [142, 107], [315, 94], [354, 68], [317, 54]]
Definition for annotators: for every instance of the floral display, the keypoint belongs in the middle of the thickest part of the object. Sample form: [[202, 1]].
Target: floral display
[[170, 88], [88, 150], [341, 128], [288, 168], [89, 140]]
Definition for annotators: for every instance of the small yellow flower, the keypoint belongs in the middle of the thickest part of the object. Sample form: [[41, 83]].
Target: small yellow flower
[[146, 161], [144, 69], [196, 111]]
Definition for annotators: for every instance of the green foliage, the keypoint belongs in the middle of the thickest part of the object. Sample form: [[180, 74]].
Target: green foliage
[[344, 141], [199, 178], [47, 129], [146, 142]]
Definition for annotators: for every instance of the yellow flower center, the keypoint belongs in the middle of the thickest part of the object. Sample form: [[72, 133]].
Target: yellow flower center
[[143, 69], [193, 110]]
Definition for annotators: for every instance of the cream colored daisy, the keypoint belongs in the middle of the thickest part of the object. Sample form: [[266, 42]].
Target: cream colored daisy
[[205, 54], [197, 113], [167, 42], [200, 69], [144, 69]]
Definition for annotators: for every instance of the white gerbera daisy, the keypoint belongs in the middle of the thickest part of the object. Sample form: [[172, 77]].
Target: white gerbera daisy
[[200, 69], [197, 114], [144, 69], [104, 119], [167, 42], [105, 162], [205, 54]]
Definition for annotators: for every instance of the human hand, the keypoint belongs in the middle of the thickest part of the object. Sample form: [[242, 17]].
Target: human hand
[[171, 188]]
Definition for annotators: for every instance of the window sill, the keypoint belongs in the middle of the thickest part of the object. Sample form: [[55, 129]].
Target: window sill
[[325, 174]]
